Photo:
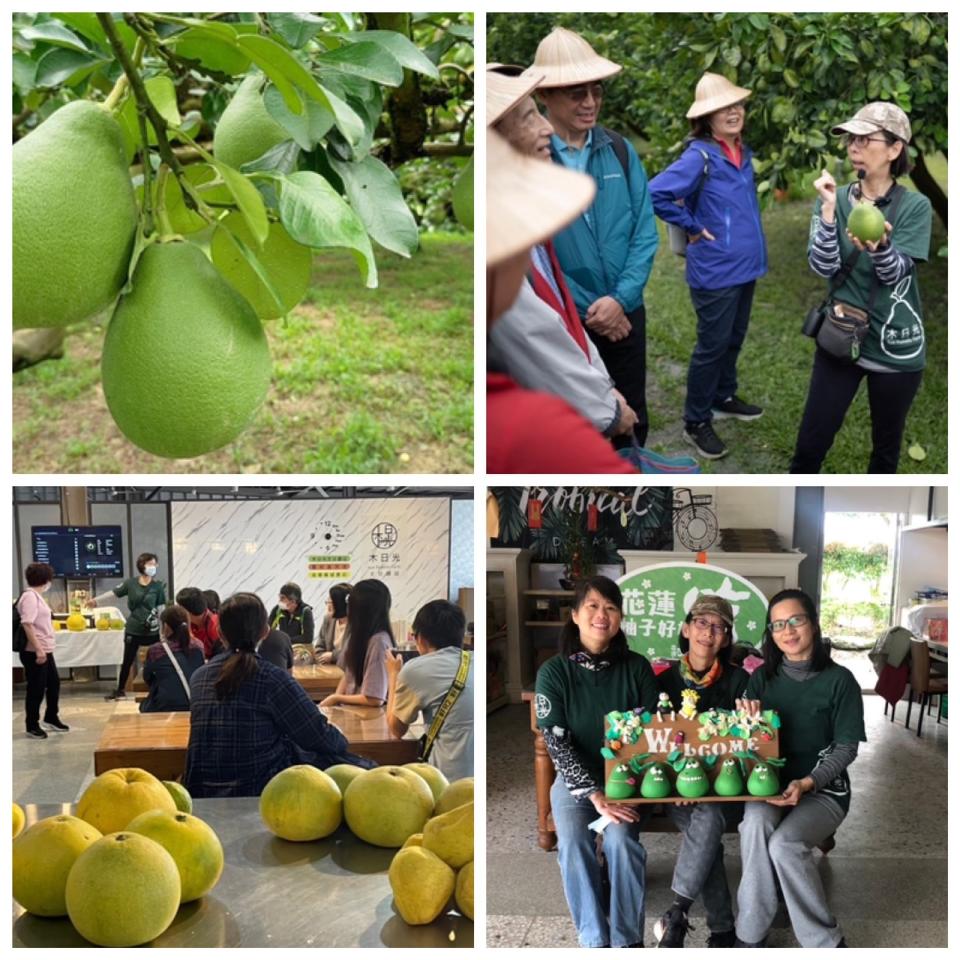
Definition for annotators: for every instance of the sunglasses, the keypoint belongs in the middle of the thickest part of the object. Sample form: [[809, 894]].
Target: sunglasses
[[580, 93], [778, 626]]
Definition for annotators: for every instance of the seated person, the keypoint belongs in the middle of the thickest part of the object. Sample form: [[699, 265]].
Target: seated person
[[369, 639], [333, 629], [204, 625], [293, 616], [422, 684], [170, 687], [249, 719], [276, 648]]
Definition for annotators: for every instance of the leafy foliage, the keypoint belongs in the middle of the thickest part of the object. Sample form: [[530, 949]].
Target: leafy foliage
[[854, 563]]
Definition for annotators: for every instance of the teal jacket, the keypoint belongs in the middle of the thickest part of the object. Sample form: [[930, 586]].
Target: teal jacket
[[611, 253]]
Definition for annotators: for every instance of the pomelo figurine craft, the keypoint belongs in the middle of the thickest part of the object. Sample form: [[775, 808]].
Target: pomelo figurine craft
[[656, 782], [622, 783], [692, 779], [729, 782], [763, 781]]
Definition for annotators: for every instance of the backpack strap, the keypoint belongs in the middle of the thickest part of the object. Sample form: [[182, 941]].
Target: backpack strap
[[692, 205], [619, 148], [459, 682]]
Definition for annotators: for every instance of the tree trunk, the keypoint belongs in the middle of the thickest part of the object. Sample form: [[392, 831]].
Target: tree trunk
[[408, 115], [928, 186]]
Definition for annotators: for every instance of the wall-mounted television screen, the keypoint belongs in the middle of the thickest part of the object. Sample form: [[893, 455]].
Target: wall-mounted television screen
[[79, 551]]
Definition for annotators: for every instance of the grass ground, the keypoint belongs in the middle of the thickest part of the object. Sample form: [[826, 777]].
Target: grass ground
[[775, 364], [364, 381]]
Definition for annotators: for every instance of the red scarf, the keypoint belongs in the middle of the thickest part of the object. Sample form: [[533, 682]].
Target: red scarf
[[567, 309]]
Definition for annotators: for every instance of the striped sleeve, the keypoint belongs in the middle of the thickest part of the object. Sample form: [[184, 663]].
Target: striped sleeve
[[890, 265], [824, 255]]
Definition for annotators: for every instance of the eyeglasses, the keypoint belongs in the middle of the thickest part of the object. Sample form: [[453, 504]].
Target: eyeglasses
[[799, 620], [715, 629], [579, 94], [855, 140], [734, 106]]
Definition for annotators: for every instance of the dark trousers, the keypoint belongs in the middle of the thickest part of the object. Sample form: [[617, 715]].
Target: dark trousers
[[626, 362], [130, 646], [833, 385], [722, 319], [42, 681]]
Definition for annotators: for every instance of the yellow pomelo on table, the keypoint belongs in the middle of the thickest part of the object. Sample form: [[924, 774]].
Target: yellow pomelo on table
[[114, 798], [450, 836], [287, 263], [301, 803], [436, 781], [74, 217], [384, 806], [458, 793], [19, 818], [123, 890], [103, 623], [76, 621], [464, 890], [43, 856], [344, 774], [414, 840], [421, 883], [246, 130], [116, 624], [181, 796], [463, 195], [185, 361], [193, 844]]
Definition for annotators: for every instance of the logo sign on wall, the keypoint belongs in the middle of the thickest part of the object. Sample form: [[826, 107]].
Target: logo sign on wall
[[656, 600]]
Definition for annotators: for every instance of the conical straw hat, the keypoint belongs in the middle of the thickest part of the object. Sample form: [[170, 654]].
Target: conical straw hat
[[714, 92], [566, 59], [528, 200], [504, 93]]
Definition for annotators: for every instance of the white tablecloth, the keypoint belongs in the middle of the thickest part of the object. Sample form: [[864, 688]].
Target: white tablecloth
[[86, 648]]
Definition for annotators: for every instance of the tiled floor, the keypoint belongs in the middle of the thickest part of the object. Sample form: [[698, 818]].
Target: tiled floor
[[886, 880]]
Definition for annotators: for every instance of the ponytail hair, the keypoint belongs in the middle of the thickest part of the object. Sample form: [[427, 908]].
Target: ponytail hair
[[243, 622], [177, 619]]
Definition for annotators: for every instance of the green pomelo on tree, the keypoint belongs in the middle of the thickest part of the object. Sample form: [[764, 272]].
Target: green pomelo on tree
[[74, 217], [866, 223], [185, 361], [287, 262], [463, 195], [246, 130]]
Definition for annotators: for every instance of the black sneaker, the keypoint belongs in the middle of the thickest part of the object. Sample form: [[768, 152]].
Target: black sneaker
[[727, 938], [707, 443], [38, 733], [57, 725], [733, 408], [671, 929]]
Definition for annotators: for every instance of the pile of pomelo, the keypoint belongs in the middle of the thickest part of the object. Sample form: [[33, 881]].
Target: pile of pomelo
[[412, 807], [123, 865]]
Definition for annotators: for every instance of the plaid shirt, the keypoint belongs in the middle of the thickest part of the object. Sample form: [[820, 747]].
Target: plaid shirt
[[237, 745]]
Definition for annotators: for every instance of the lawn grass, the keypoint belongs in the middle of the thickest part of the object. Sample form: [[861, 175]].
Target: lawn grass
[[774, 367], [364, 381]]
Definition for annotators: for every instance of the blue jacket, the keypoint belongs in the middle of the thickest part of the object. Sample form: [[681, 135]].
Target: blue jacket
[[727, 206], [613, 253]]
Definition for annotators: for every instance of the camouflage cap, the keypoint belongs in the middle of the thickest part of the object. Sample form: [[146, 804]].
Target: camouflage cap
[[875, 116], [708, 603]]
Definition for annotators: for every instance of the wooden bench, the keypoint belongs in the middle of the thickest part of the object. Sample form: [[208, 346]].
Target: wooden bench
[[157, 742]]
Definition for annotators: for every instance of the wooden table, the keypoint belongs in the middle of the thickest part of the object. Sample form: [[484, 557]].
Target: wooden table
[[318, 681], [158, 741]]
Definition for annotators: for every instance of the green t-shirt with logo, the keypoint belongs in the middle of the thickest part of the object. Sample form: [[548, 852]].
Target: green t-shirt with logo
[[814, 715], [896, 337], [576, 698], [141, 602]]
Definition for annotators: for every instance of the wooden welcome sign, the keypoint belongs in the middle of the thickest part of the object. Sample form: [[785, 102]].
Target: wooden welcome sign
[[666, 756]]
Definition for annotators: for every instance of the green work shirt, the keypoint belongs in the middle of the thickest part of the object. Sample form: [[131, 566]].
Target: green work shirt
[[576, 698], [814, 715], [141, 601], [721, 694], [896, 337]]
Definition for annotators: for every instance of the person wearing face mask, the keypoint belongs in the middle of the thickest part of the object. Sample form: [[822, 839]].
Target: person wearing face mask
[[292, 616], [171, 662], [145, 597], [43, 681]]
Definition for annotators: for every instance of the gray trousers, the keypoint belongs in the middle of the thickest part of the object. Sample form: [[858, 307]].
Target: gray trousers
[[776, 843], [699, 868]]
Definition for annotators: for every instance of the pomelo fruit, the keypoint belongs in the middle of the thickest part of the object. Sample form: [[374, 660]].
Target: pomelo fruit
[[42, 858], [458, 793], [464, 890], [76, 621], [114, 798], [384, 806], [246, 130], [343, 774], [287, 262], [180, 794], [866, 222], [450, 836], [463, 195], [103, 623], [74, 217], [301, 803], [193, 844], [123, 890], [19, 818], [414, 840], [421, 883], [436, 781], [185, 361]]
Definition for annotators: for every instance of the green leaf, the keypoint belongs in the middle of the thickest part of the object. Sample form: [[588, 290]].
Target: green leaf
[[779, 38], [315, 215], [375, 194], [296, 29], [368, 60], [732, 56], [790, 78], [307, 128], [349, 122], [212, 52], [401, 48], [248, 200], [272, 59], [24, 73], [62, 66], [51, 31]]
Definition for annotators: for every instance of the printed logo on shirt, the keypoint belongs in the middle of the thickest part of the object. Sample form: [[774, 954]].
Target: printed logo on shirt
[[839, 786], [902, 335], [542, 706], [613, 176]]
